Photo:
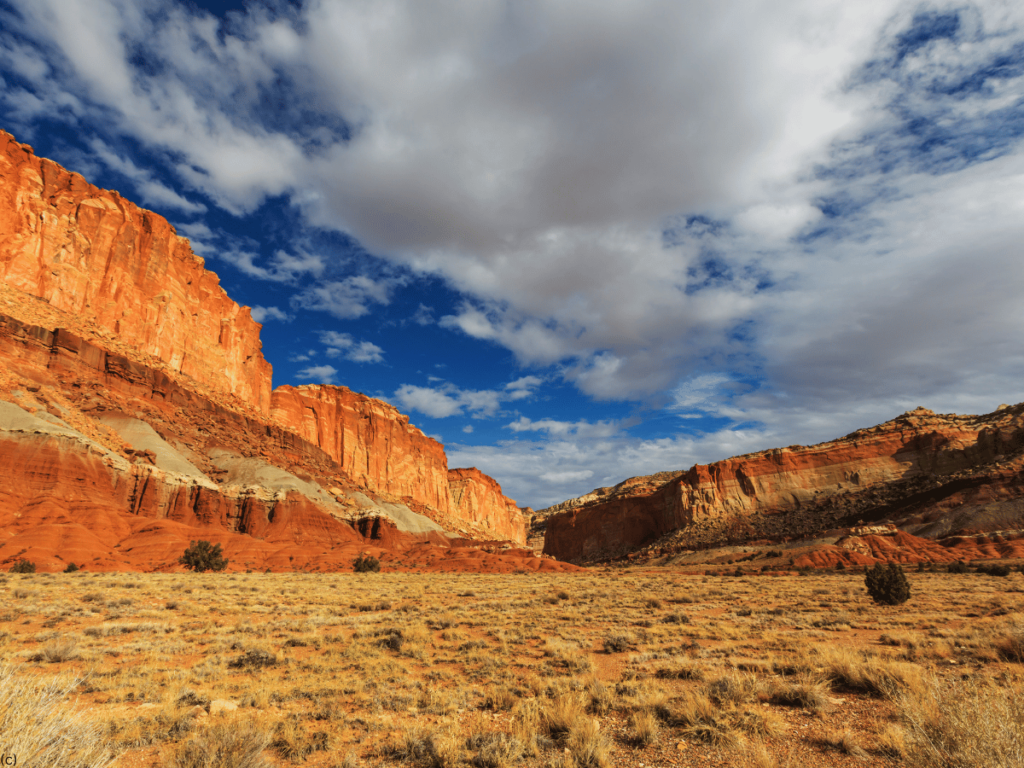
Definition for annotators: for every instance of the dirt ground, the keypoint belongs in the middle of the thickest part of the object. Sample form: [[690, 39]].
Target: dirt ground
[[607, 668]]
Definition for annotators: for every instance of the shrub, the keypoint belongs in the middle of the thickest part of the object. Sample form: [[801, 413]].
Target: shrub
[[56, 651], [996, 569], [366, 564], [72, 568], [223, 745], [617, 642], [958, 567], [203, 556], [887, 585], [253, 659], [23, 566]]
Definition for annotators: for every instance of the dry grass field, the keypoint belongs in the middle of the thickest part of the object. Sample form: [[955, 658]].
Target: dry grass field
[[608, 668]]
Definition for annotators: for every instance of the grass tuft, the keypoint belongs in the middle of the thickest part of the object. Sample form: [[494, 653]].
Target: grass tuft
[[43, 728]]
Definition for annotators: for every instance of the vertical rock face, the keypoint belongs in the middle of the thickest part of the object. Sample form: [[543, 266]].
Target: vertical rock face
[[477, 498], [92, 253], [136, 408], [903, 468], [374, 443]]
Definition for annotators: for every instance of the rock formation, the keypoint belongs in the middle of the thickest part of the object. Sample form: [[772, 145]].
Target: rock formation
[[136, 414], [373, 443], [477, 498], [102, 259], [932, 475]]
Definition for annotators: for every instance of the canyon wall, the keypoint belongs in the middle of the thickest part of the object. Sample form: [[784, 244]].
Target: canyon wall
[[146, 396], [93, 254], [477, 498], [374, 443], [112, 464], [917, 452], [377, 448]]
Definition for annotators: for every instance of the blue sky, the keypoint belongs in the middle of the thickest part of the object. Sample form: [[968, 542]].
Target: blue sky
[[575, 241]]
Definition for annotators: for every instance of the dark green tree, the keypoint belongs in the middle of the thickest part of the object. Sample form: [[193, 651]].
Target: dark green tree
[[887, 585], [23, 566], [203, 556]]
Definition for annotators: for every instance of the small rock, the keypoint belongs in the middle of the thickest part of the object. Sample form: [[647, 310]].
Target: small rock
[[196, 711]]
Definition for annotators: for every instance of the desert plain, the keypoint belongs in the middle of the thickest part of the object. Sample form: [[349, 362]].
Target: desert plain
[[611, 667]]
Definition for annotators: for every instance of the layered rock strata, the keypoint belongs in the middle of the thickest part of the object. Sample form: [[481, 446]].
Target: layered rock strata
[[111, 464], [372, 442], [93, 254], [134, 389], [477, 498], [931, 474]]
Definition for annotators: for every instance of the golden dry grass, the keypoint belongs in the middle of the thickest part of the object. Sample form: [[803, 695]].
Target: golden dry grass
[[607, 668]]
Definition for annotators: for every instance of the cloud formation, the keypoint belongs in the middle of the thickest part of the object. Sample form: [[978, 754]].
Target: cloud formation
[[343, 345], [446, 399], [793, 216]]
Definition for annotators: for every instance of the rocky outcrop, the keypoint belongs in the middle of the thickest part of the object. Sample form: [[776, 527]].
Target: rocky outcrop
[[477, 498], [136, 413], [373, 443], [111, 464], [930, 474], [94, 255]]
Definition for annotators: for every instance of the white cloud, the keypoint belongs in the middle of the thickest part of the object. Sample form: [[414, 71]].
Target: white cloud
[[557, 478], [322, 374], [635, 193], [468, 429], [445, 399], [151, 190], [366, 352], [523, 387], [346, 299], [343, 345], [698, 392], [282, 267], [581, 429], [432, 402], [262, 314], [424, 315]]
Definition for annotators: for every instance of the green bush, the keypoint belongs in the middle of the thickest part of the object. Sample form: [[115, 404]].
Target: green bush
[[366, 564], [203, 556], [23, 566], [887, 585], [72, 568], [958, 567]]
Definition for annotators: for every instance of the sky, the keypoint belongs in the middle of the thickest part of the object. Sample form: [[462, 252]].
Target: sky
[[575, 241]]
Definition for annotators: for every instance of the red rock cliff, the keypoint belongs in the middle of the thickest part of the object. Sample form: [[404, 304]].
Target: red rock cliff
[[96, 279], [810, 484], [92, 253], [478, 498], [374, 443]]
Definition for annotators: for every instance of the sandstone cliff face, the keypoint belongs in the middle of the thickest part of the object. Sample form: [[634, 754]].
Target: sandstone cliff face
[[146, 398], [378, 449], [111, 464], [478, 498], [929, 459], [92, 253], [374, 443]]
